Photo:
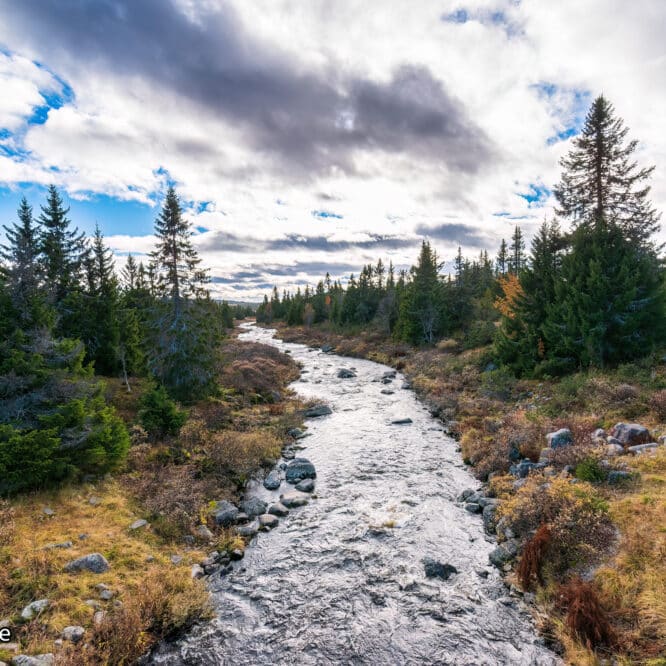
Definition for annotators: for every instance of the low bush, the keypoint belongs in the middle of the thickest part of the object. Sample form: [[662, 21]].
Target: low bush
[[577, 518], [658, 404], [159, 414], [533, 557]]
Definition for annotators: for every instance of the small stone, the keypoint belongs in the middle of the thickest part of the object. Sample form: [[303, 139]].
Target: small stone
[[278, 509], [48, 511], [642, 448], [197, 572], [613, 450], [62, 544], [99, 617], [599, 433], [473, 507], [319, 410], [343, 373], [617, 477], [35, 608], [176, 559], [73, 633], [435, 569], [387, 392], [83, 537], [95, 562], [45, 659], [138, 524], [106, 595], [94, 501], [405, 421], [268, 521], [150, 558], [236, 554], [504, 553], [248, 530], [203, 532], [93, 603], [294, 498], [305, 486]]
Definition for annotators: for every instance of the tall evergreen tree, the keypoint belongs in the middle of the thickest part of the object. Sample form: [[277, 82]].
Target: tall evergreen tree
[[22, 271], [186, 327], [502, 260], [601, 179], [177, 262], [63, 250], [516, 252], [609, 302]]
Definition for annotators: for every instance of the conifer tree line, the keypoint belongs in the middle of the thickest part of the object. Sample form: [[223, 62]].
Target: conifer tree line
[[591, 296], [67, 316]]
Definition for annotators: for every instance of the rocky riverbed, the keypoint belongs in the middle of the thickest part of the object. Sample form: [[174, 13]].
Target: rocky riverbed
[[369, 543]]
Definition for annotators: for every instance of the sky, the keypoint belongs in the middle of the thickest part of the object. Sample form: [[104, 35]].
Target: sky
[[306, 136]]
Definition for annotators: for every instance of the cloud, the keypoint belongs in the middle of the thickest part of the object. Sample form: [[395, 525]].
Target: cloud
[[453, 232], [312, 121]]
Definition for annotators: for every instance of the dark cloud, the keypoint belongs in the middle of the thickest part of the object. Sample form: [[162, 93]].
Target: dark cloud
[[310, 122], [225, 241], [455, 233], [318, 268]]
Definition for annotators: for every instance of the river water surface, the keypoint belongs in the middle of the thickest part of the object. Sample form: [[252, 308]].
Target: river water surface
[[341, 580]]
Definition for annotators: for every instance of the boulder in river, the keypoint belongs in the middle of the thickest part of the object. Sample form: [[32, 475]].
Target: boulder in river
[[327, 348], [319, 410], [344, 373], [305, 486], [268, 521], [294, 498], [435, 569], [299, 469], [405, 421], [278, 509], [272, 481], [387, 391], [489, 518], [253, 506], [473, 507], [248, 530], [504, 553], [630, 434]]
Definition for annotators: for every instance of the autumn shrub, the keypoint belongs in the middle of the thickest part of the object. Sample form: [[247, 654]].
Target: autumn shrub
[[255, 370], [165, 604], [532, 559], [485, 452], [236, 454], [658, 404], [585, 615], [578, 519]]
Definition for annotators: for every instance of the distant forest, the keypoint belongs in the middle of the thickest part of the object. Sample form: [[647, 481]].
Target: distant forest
[[591, 296]]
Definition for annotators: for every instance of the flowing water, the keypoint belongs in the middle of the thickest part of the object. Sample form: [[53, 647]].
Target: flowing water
[[341, 580]]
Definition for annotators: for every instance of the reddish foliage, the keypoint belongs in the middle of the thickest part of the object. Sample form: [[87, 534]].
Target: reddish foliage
[[533, 557], [586, 617]]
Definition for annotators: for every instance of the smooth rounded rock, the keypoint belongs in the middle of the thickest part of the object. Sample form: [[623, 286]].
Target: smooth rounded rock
[[294, 498], [253, 506], [278, 509], [73, 633], [248, 530], [299, 469], [225, 513], [268, 520], [272, 481], [94, 562], [305, 486]]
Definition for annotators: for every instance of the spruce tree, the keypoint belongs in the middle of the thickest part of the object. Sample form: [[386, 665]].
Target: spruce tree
[[516, 252], [63, 250], [601, 179], [22, 270], [502, 260], [608, 305], [183, 353]]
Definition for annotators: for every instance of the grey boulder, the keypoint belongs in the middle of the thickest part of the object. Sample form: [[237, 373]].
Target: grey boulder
[[73, 633], [272, 481], [344, 373], [630, 433], [299, 469], [268, 521], [278, 509], [253, 506], [305, 486], [225, 513], [559, 438], [35, 608], [94, 562]]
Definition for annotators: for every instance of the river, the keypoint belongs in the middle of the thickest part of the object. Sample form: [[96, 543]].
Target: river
[[341, 580]]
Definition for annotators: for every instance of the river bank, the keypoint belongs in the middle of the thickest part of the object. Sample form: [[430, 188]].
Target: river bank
[[500, 421], [384, 564], [149, 527]]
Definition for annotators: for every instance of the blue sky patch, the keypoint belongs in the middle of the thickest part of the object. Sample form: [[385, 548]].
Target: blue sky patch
[[458, 16], [536, 196], [326, 214]]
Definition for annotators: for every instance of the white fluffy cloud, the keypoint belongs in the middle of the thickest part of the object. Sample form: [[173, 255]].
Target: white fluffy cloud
[[512, 77]]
